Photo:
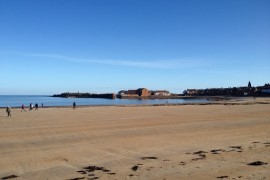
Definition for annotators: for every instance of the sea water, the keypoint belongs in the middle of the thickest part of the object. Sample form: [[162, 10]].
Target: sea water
[[18, 100]]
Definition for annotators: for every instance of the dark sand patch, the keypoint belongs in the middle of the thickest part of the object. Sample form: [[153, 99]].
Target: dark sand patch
[[9, 177], [257, 163]]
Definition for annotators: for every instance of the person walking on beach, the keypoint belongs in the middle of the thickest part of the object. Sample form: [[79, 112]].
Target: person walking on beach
[[23, 108], [30, 106], [36, 106], [74, 105], [8, 110]]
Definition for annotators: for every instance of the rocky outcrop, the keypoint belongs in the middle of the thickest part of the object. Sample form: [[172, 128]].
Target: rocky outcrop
[[85, 95]]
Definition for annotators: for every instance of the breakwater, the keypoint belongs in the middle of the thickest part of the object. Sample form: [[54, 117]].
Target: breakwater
[[86, 95]]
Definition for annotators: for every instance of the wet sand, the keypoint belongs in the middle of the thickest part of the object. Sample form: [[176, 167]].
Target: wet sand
[[142, 142]]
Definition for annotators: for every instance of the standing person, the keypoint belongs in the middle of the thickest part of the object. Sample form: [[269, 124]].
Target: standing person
[[74, 105], [30, 106], [23, 108], [8, 110], [42, 105], [36, 106]]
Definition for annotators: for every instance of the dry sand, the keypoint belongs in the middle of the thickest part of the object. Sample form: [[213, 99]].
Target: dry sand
[[151, 142]]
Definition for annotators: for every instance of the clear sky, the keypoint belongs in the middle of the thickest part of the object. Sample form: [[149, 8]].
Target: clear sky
[[54, 46]]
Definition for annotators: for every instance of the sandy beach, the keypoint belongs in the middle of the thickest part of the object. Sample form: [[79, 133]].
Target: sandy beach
[[215, 141]]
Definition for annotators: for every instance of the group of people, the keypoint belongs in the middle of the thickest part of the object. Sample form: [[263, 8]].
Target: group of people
[[31, 107]]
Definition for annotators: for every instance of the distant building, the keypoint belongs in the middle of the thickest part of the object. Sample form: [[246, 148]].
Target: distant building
[[235, 91], [266, 89], [161, 93], [143, 92], [122, 92], [137, 92], [132, 92], [192, 91]]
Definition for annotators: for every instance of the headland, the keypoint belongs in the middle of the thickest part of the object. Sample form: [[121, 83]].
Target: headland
[[85, 95]]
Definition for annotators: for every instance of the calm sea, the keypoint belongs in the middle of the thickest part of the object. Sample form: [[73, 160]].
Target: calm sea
[[18, 100]]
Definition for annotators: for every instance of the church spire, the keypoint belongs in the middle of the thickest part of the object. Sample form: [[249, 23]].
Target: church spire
[[249, 84]]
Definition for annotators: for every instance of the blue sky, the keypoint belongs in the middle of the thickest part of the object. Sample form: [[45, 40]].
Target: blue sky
[[97, 46]]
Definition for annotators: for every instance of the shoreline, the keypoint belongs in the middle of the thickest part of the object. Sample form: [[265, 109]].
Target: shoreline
[[214, 101]]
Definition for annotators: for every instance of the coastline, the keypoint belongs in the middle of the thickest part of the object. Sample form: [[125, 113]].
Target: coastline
[[216, 100]]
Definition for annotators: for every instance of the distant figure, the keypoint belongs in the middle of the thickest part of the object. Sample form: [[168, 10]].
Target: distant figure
[[23, 108], [74, 105], [8, 110], [30, 106], [42, 105], [36, 106]]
